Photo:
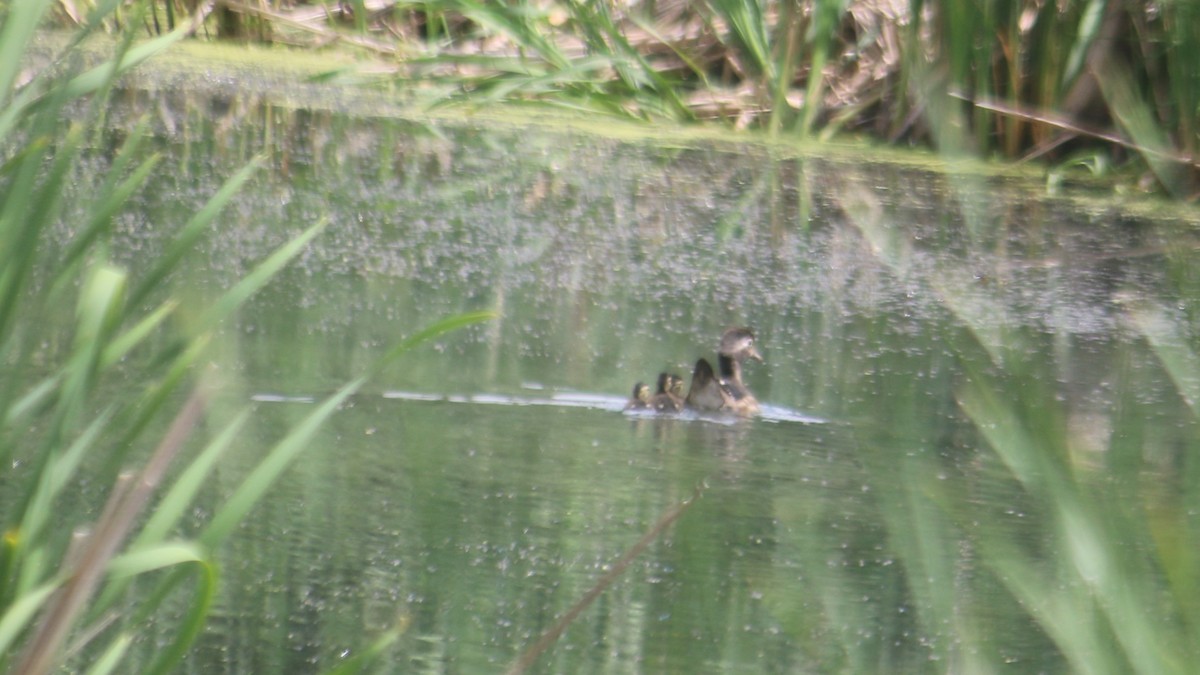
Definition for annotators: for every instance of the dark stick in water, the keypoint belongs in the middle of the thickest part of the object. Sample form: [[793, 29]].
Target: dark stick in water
[[551, 636]]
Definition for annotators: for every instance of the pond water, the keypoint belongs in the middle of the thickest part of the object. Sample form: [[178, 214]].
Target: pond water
[[483, 484]]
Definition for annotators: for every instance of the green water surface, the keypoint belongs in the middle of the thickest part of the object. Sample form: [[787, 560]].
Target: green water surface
[[481, 486]]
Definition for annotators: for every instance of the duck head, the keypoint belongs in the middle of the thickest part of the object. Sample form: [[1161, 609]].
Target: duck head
[[738, 344]]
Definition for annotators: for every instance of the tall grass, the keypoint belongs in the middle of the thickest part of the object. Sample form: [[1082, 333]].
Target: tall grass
[[1081, 83], [1109, 573], [1064, 81], [61, 583]]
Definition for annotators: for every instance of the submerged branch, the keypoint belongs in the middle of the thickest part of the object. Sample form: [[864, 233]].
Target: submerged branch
[[530, 655]]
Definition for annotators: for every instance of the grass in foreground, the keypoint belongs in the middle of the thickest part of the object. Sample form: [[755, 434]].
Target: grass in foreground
[[62, 590]]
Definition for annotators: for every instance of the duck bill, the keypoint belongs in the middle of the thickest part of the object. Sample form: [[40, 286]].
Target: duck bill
[[752, 353]]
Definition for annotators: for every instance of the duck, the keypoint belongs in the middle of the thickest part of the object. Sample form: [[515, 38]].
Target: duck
[[640, 399], [706, 392], [669, 398], [737, 345], [728, 392]]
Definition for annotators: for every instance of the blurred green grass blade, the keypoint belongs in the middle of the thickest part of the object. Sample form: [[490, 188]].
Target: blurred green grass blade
[[360, 15], [155, 557], [1065, 611], [101, 11], [33, 198], [175, 502], [695, 67], [812, 94], [196, 226], [183, 491], [283, 453], [58, 471], [538, 83], [749, 29], [502, 19], [32, 147], [1085, 542], [1085, 35], [1137, 117], [111, 658], [604, 36], [21, 19], [156, 394], [99, 308], [18, 615], [956, 289], [1006, 433], [434, 330], [931, 571], [278, 458], [192, 624], [114, 196], [1177, 358], [121, 345], [12, 114], [223, 307], [99, 77], [95, 80], [33, 573], [100, 305], [825, 18], [263, 273], [33, 400], [182, 362]]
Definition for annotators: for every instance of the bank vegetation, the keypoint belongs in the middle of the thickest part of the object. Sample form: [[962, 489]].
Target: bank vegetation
[[1085, 85]]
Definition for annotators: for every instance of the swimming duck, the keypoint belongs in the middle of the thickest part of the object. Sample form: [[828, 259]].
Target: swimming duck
[[737, 345], [706, 392], [669, 397], [728, 393], [640, 400]]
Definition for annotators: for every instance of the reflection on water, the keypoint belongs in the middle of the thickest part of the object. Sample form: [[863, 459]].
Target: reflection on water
[[479, 522], [489, 479]]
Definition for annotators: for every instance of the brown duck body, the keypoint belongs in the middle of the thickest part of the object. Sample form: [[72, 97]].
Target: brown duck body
[[706, 393], [728, 393]]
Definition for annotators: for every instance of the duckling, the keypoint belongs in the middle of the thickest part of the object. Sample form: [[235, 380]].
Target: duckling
[[706, 392], [676, 388], [640, 400], [669, 397], [737, 345]]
